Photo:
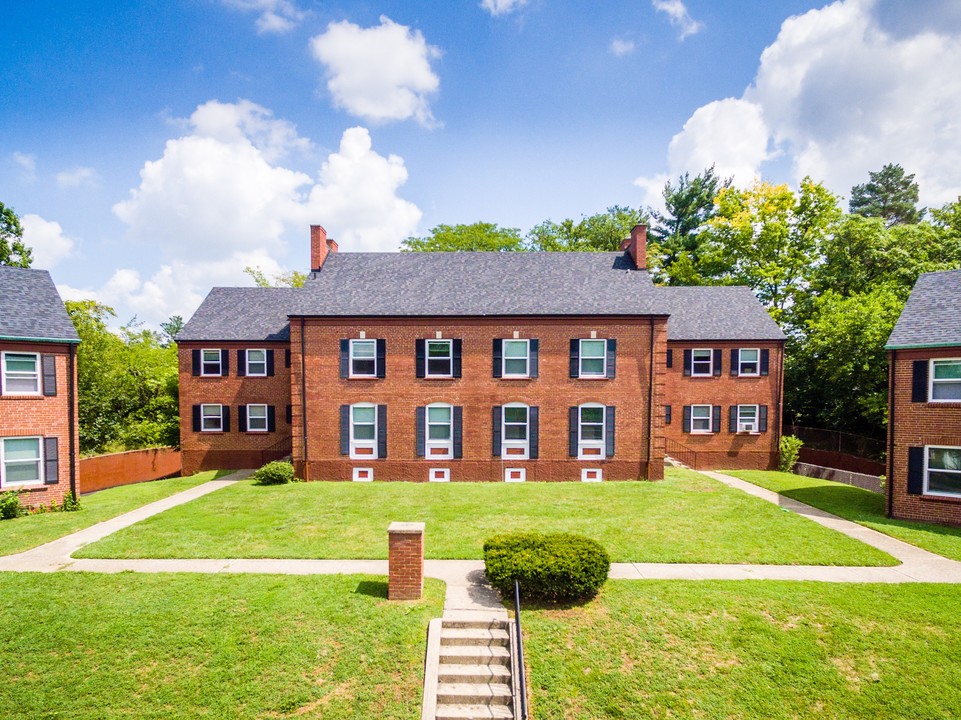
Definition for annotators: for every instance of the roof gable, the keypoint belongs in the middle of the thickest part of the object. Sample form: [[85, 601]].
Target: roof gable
[[32, 307], [718, 312]]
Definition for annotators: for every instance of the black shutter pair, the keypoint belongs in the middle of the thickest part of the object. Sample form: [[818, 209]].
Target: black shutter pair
[[381, 354], [533, 431], [420, 352], [689, 361], [242, 362], [532, 358], [919, 381], [715, 419], [573, 434], [457, 431], [242, 418], [611, 358], [761, 419], [381, 421], [197, 365], [224, 417], [764, 362]]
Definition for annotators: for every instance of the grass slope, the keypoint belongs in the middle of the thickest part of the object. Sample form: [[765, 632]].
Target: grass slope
[[686, 518], [860, 506], [89, 647], [748, 649]]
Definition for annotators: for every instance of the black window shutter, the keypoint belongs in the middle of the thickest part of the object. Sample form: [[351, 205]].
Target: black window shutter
[[381, 358], [458, 431], [572, 433], [195, 362], [420, 346], [498, 357], [919, 381], [271, 419], [241, 418], [344, 358], [609, 431], [670, 358], [686, 420], [270, 363], [535, 357], [534, 421], [667, 414], [420, 414], [496, 431], [716, 421], [732, 421], [51, 461], [718, 355], [345, 429], [196, 409], [765, 361], [225, 363], [49, 365], [611, 358], [225, 409], [916, 470], [735, 365], [456, 365], [289, 414], [241, 363], [287, 357], [762, 418], [575, 358], [688, 361], [382, 431]]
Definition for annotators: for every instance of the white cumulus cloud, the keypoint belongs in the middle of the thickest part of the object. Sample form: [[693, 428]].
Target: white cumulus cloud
[[502, 7], [276, 16], [77, 177], [381, 73], [27, 164], [620, 47], [677, 13], [46, 239]]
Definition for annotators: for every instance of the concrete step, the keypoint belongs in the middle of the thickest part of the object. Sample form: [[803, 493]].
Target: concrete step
[[461, 673], [481, 621], [475, 655], [474, 636], [474, 712], [473, 694]]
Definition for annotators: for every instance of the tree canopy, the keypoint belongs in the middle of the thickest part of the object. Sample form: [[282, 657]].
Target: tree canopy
[[479, 236], [602, 231], [13, 252], [290, 278], [889, 194]]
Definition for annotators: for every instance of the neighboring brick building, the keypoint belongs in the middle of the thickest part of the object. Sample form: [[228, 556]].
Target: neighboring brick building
[[924, 403], [38, 389], [466, 366]]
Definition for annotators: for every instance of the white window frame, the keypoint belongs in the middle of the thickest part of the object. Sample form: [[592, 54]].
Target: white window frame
[[580, 359], [450, 358], [202, 416], [21, 375], [432, 444], [744, 426], [710, 362], [741, 362], [506, 443], [527, 358], [250, 428], [927, 457], [247, 362], [710, 420], [4, 483], [932, 382], [363, 443], [204, 362], [350, 358], [583, 444]]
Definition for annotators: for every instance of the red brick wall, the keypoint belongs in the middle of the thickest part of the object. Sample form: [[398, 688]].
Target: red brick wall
[[915, 425], [725, 449], [233, 449], [46, 417], [477, 391], [126, 468], [405, 563]]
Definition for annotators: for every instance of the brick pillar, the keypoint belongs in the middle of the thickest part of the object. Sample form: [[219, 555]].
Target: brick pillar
[[406, 561]]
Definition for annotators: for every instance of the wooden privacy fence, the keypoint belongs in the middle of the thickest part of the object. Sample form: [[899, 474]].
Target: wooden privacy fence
[[125, 468]]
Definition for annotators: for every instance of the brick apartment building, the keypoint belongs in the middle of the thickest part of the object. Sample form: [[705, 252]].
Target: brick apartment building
[[478, 366], [38, 395], [924, 403]]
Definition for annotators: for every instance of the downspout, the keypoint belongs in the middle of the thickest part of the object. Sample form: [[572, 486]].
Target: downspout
[[650, 405], [71, 419], [780, 400], [303, 392], [890, 479]]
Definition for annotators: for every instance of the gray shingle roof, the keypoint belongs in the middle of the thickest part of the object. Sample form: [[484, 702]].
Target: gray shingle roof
[[31, 307], [932, 315], [243, 313], [717, 313]]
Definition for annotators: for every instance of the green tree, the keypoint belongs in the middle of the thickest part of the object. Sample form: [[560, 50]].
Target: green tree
[[170, 328], [476, 237], [889, 194], [13, 252], [290, 278], [601, 232]]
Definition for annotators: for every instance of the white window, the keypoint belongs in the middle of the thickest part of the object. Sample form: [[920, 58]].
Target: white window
[[747, 418], [256, 418], [701, 418], [516, 359], [210, 362], [590, 431], [515, 429], [21, 461], [942, 471], [363, 358], [593, 358], [363, 431], [702, 363], [440, 358], [440, 436], [257, 363], [748, 362], [211, 418], [945, 380], [21, 373]]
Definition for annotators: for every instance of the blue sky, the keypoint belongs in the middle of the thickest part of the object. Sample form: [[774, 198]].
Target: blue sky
[[155, 149]]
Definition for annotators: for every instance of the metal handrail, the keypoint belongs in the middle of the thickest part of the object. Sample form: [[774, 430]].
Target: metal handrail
[[681, 452], [279, 450], [520, 650]]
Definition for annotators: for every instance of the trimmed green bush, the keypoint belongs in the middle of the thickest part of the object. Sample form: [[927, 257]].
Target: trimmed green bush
[[554, 567], [274, 473], [10, 506], [790, 448]]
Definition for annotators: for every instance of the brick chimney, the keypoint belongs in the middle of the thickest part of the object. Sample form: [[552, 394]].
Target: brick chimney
[[636, 245], [320, 247]]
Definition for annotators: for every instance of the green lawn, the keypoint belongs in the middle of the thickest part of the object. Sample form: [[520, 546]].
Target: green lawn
[[746, 650], [27, 532], [860, 506], [686, 518], [89, 647]]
